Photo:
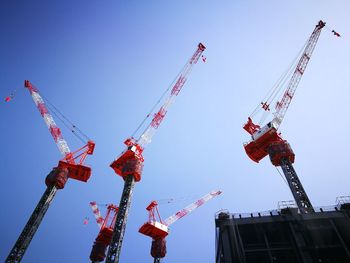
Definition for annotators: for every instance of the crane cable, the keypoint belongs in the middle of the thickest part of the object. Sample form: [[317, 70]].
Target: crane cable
[[158, 101], [164, 201], [66, 122], [284, 179], [278, 86]]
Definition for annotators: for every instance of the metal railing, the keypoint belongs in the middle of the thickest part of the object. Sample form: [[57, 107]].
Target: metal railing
[[224, 213]]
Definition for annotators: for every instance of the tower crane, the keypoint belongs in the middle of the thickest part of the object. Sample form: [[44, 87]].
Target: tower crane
[[130, 163], [267, 140], [158, 229], [70, 166], [106, 225]]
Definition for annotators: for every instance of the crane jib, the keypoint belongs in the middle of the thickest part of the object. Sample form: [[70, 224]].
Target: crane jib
[[149, 132]]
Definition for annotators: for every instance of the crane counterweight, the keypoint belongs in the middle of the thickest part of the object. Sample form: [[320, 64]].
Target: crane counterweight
[[57, 177], [128, 164]]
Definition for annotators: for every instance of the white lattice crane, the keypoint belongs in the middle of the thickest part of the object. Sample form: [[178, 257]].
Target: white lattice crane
[[71, 166], [267, 140], [130, 163], [158, 229]]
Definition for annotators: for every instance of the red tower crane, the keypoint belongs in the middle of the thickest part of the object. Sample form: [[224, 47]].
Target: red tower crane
[[267, 140], [71, 166], [158, 229], [106, 225], [130, 163]]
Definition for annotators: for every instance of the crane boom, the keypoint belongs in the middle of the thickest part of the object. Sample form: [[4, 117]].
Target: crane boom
[[188, 209], [97, 214], [48, 119], [129, 164], [146, 137], [282, 106]]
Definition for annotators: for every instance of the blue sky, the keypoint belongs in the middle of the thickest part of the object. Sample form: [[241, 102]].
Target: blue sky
[[105, 63]]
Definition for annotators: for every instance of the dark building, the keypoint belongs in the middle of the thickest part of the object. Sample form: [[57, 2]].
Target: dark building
[[284, 235]]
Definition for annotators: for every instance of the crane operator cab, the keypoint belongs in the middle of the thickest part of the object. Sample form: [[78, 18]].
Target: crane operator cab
[[266, 129]]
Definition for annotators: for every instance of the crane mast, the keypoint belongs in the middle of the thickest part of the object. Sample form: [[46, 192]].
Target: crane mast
[[159, 229], [55, 180], [23, 241], [130, 163], [281, 154]]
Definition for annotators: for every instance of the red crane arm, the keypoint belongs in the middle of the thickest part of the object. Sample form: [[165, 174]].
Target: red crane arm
[[188, 209], [283, 105], [48, 119], [151, 129], [69, 157], [97, 213]]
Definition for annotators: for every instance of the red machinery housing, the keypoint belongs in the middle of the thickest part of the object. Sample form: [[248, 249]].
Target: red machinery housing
[[280, 150], [77, 170], [98, 252], [257, 149], [153, 228]]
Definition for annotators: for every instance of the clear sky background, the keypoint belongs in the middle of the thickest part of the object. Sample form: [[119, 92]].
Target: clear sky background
[[105, 63]]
